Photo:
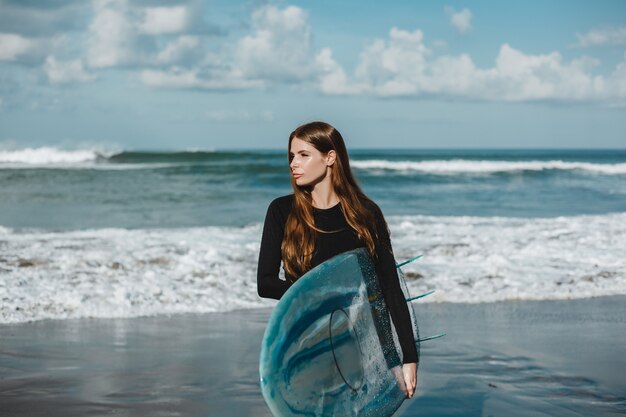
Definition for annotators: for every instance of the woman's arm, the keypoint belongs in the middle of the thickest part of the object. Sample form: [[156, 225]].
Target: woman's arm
[[268, 283], [390, 285]]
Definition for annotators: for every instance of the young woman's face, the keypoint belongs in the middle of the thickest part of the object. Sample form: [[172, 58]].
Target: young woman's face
[[308, 165]]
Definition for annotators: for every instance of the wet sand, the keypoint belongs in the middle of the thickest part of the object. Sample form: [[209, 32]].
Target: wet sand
[[562, 358]]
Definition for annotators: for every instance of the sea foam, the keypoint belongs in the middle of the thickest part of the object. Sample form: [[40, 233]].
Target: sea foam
[[127, 273], [49, 155], [462, 166], [55, 158]]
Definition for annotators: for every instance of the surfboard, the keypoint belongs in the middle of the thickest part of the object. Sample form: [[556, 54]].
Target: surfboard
[[329, 347]]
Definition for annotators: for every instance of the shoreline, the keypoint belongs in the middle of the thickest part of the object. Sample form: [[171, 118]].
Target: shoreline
[[270, 308]]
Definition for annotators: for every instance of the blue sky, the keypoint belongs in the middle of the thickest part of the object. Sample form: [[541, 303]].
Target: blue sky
[[195, 74]]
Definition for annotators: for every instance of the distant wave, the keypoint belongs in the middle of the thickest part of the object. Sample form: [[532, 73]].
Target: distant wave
[[49, 155], [460, 166], [148, 157]]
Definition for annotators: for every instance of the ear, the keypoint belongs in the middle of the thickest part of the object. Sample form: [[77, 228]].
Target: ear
[[330, 157]]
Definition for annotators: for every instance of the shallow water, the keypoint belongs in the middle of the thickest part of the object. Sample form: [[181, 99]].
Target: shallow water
[[507, 358]]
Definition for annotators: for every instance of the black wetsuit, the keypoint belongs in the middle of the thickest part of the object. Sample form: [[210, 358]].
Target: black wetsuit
[[327, 246]]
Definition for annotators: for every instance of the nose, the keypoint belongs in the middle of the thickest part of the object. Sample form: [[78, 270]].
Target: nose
[[294, 163]]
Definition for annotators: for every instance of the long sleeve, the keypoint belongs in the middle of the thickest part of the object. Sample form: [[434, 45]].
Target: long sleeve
[[394, 297], [269, 285]]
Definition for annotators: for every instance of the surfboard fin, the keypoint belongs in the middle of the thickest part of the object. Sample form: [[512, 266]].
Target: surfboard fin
[[437, 336], [409, 261], [417, 297]]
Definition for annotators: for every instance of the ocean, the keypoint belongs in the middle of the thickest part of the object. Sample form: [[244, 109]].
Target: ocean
[[87, 233]]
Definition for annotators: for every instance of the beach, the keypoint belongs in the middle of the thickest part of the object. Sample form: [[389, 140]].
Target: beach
[[150, 152], [128, 279], [514, 358]]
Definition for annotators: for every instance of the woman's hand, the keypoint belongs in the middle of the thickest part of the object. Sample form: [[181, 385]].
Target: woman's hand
[[409, 370]]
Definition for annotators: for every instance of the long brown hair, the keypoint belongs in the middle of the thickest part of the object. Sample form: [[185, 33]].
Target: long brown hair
[[299, 239]]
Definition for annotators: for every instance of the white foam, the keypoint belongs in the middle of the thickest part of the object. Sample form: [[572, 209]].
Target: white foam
[[54, 158], [478, 259], [461, 166], [89, 159], [127, 273], [48, 155]]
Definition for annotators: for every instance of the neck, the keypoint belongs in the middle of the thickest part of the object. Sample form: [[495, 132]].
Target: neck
[[323, 194]]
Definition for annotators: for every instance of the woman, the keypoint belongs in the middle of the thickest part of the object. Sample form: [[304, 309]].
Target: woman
[[328, 214]]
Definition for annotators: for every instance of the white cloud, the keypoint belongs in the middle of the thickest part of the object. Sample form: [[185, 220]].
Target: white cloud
[[462, 21], [605, 36], [177, 49], [59, 72], [333, 79], [12, 46], [117, 35], [279, 49], [518, 76], [454, 75], [111, 37], [396, 66], [161, 20], [386, 67], [403, 66]]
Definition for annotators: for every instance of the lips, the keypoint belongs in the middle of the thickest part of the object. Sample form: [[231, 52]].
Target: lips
[[297, 175]]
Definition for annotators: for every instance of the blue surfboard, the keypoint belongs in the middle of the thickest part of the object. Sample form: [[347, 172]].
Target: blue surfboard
[[329, 348]]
